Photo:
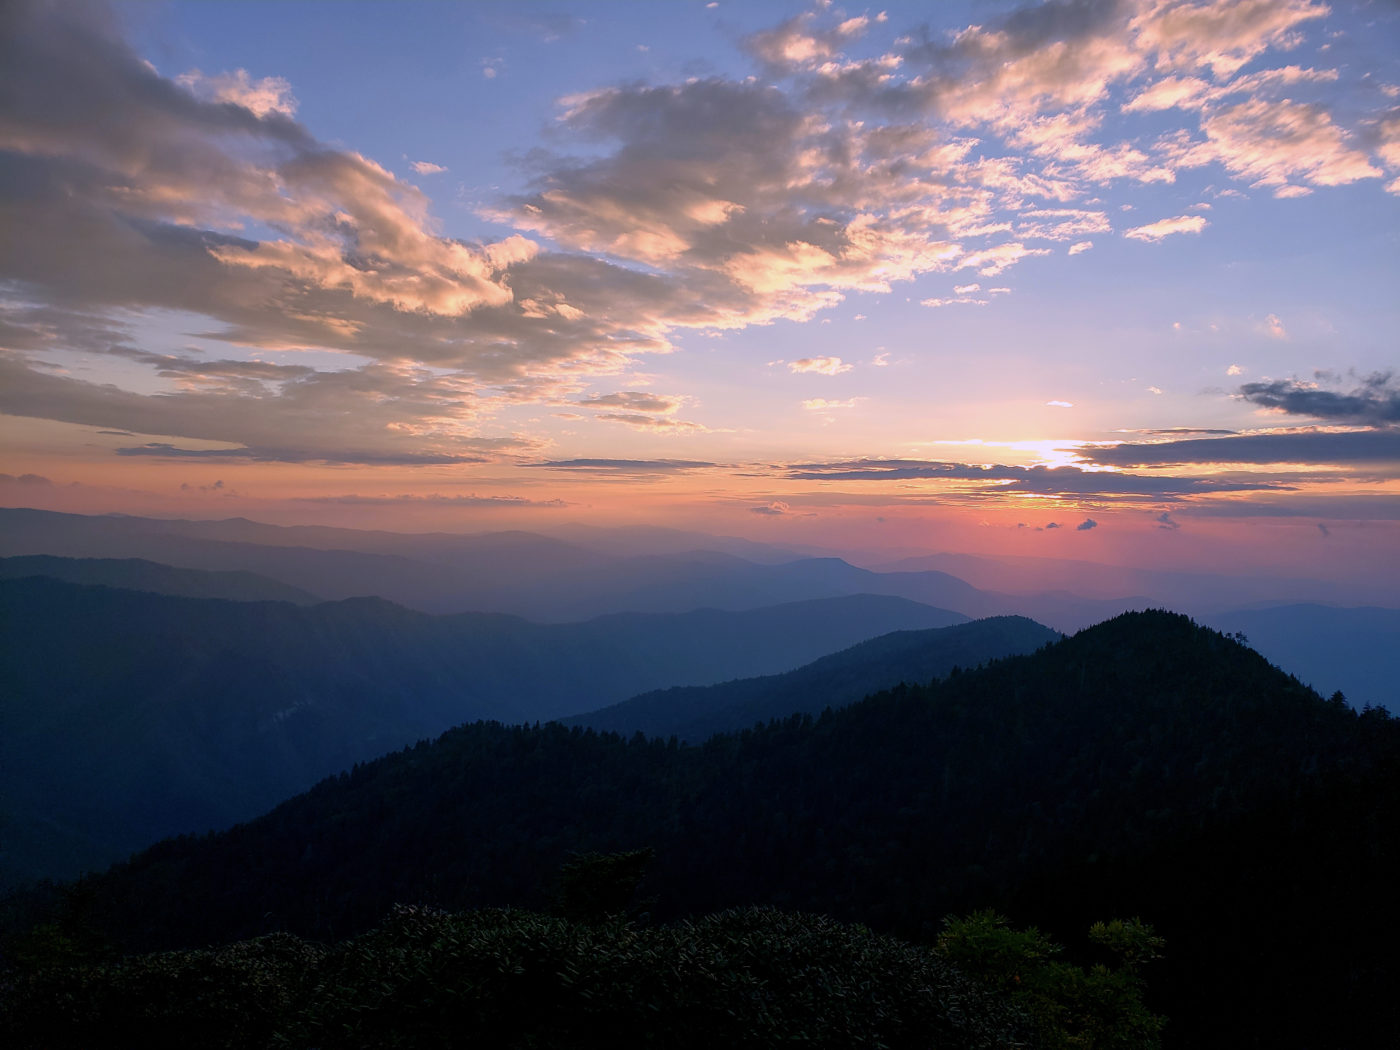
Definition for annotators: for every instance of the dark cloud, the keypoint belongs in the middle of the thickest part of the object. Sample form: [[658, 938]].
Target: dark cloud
[[1356, 446], [1043, 480], [1052, 525], [1352, 506], [625, 466], [1181, 432], [1086, 525], [1164, 521], [1323, 529], [24, 479], [776, 509], [162, 450], [434, 499], [632, 401], [354, 416], [645, 422], [1376, 400]]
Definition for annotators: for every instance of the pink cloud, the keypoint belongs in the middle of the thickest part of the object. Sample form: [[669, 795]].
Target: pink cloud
[[1163, 228]]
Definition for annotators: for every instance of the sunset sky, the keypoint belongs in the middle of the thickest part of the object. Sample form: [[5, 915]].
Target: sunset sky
[[1117, 281]]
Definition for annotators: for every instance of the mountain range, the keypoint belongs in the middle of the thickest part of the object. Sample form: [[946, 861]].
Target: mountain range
[[584, 572], [1146, 766], [695, 713], [127, 715]]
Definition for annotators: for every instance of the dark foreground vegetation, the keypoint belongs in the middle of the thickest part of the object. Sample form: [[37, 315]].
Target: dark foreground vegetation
[[1144, 767], [504, 979]]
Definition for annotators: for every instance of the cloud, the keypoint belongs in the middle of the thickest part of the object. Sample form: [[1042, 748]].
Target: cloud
[[1000, 479], [265, 454], [1323, 529], [1060, 404], [1086, 525], [1080, 246], [1276, 143], [433, 499], [425, 167], [773, 509], [1052, 525], [960, 300], [266, 97], [1164, 228], [991, 261], [633, 401], [1274, 328], [827, 366], [1345, 447], [711, 203], [374, 414], [1179, 431], [638, 421], [25, 480], [1376, 400], [821, 404], [1234, 370], [629, 467], [1164, 521]]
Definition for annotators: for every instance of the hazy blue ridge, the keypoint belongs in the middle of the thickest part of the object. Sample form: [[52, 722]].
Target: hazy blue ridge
[[139, 574], [127, 716], [695, 713]]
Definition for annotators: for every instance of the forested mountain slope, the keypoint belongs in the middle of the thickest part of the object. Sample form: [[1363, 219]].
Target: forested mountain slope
[[695, 713], [128, 716], [1143, 767]]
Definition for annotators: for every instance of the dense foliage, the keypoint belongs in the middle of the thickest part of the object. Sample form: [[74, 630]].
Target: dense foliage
[[504, 979], [1144, 767]]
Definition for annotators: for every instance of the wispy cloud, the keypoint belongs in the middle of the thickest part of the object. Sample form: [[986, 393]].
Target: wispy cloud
[[1163, 228], [625, 467], [827, 366], [433, 499]]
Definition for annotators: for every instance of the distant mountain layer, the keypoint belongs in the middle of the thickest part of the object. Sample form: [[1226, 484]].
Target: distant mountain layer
[[556, 581], [138, 574], [518, 573], [126, 716], [1143, 767], [695, 713]]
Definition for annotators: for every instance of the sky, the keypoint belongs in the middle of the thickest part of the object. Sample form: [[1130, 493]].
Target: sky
[[1112, 280]]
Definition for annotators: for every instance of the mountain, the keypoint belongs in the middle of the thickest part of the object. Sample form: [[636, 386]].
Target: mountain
[[519, 573], [1330, 648], [137, 574], [1196, 593], [1145, 766], [695, 713], [126, 716]]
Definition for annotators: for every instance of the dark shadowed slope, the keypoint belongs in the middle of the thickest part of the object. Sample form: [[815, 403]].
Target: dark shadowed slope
[[125, 716], [695, 713], [138, 574]]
